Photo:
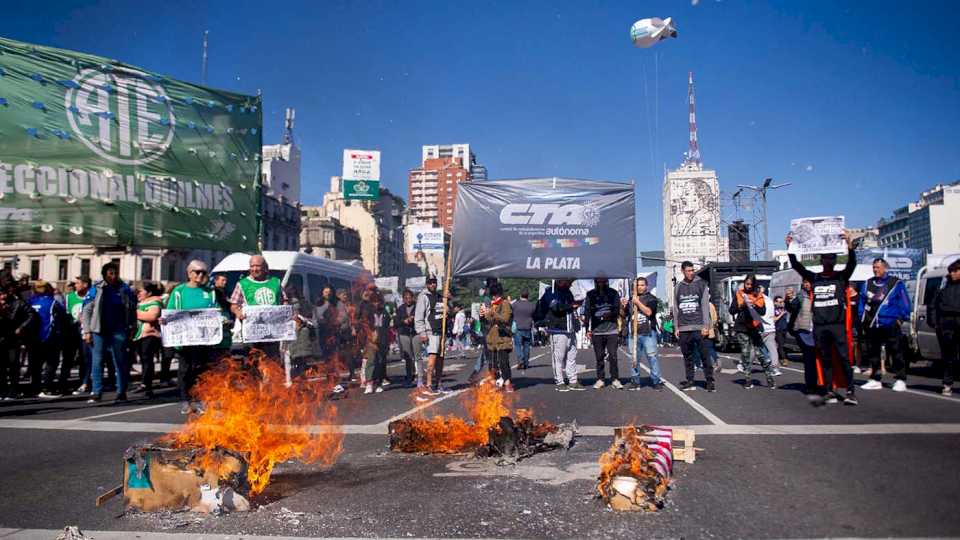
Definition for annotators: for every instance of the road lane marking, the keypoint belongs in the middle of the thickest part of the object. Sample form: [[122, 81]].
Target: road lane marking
[[128, 411], [907, 391], [582, 431], [714, 419]]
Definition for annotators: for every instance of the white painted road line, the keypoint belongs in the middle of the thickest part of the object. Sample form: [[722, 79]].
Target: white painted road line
[[47, 534], [583, 431], [128, 411], [714, 419]]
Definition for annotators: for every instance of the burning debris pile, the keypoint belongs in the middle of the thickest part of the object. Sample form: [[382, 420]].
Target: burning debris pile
[[491, 431], [635, 472], [252, 421]]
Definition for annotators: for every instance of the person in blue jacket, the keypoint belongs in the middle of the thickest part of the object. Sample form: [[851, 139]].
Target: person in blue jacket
[[883, 307], [44, 349]]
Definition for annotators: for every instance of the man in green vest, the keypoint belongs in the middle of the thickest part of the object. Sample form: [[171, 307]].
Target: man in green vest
[[258, 288]]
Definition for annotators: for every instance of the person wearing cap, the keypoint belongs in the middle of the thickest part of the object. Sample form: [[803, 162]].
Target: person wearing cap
[[44, 348], [428, 322], [108, 319]]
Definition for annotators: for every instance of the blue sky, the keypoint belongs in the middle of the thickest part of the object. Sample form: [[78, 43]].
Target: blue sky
[[856, 103]]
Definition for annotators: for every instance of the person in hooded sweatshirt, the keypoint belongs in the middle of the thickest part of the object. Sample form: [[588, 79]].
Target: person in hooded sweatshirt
[[944, 315], [44, 350]]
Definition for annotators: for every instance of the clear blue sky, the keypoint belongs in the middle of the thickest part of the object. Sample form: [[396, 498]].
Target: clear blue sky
[[857, 103]]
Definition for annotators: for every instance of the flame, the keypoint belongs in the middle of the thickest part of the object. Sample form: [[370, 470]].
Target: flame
[[629, 456], [485, 403], [251, 410]]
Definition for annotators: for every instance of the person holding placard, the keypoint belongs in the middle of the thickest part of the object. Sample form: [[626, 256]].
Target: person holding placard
[[192, 295], [258, 288], [829, 317]]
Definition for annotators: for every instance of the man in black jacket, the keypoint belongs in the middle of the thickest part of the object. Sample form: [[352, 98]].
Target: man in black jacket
[[830, 315], [556, 312], [601, 312], [691, 316], [18, 325], [944, 315]]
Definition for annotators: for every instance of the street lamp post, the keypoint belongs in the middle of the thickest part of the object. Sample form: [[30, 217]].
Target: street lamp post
[[762, 191]]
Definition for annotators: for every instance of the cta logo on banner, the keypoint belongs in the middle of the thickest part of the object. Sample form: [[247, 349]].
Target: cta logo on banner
[[544, 228], [361, 174], [901, 262]]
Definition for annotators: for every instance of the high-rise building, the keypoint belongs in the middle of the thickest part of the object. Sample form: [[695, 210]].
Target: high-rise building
[[738, 235], [691, 209], [929, 224], [379, 224], [433, 185]]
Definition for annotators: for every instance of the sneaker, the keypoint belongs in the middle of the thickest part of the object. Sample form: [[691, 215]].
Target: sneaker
[[831, 400], [339, 389], [857, 370], [379, 389], [658, 387], [140, 388], [421, 398], [576, 386], [777, 372], [185, 407], [48, 395], [599, 384], [368, 388], [872, 384], [385, 383], [499, 383], [562, 388], [771, 384], [740, 368], [617, 384], [947, 390], [634, 386], [95, 398], [121, 398], [711, 386], [82, 390], [748, 382], [900, 386], [850, 399], [687, 386]]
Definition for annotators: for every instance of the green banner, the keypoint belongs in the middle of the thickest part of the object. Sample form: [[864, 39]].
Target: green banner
[[361, 190], [94, 151]]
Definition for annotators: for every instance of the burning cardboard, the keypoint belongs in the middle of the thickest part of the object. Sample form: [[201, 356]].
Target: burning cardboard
[[157, 478], [222, 457], [492, 430], [635, 472]]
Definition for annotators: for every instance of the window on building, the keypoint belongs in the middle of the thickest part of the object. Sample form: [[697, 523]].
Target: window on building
[[146, 269], [85, 267], [171, 270], [8, 266], [35, 269], [63, 269]]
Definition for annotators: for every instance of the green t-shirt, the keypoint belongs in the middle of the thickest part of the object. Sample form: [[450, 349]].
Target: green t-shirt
[[144, 307], [74, 305], [261, 293]]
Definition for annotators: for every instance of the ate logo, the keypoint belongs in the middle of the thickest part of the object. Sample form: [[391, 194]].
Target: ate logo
[[265, 297], [121, 115]]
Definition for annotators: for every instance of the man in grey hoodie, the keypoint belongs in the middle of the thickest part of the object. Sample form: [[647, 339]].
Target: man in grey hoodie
[[691, 315]]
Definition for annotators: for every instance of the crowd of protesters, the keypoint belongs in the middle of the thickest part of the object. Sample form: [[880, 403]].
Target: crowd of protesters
[[101, 328]]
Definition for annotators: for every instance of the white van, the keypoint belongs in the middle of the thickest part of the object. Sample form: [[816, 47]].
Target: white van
[[306, 274], [930, 279]]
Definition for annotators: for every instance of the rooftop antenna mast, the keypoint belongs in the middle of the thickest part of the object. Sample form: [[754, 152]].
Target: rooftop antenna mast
[[693, 153], [203, 71], [291, 115], [761, 191]]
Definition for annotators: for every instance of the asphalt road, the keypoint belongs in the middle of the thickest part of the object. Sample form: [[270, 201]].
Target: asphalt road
[[771, 466]]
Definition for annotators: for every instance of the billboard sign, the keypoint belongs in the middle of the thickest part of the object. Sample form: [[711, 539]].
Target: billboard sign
[[901, 262], [361, 174], [425, 248], [94, 151], [544, 228]]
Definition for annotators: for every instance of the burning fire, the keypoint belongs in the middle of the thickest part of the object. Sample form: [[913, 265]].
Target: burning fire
[[250, 410], [628, 477], [451, 434]]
